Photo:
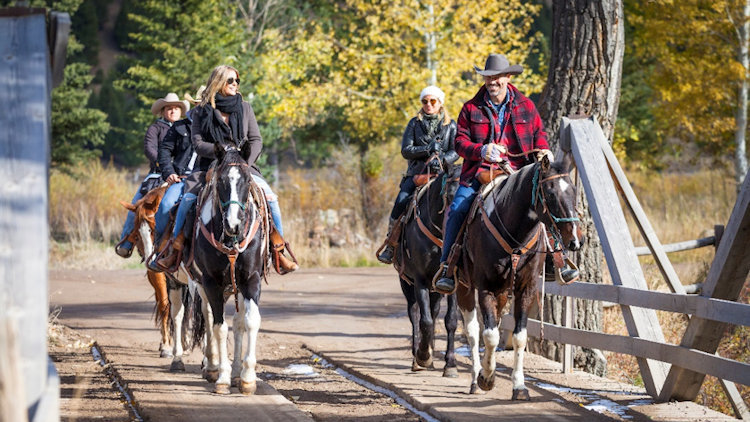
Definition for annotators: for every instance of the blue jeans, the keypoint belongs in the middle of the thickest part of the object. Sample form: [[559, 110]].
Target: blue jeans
[[459, 208], [171, 196], [407, 187], [130, 221], [187, 202], [273, 202]]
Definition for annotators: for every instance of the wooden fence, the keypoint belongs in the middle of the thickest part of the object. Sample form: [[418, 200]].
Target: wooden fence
[[669, 371]]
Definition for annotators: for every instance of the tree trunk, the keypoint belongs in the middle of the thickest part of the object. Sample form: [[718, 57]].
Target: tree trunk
[[584, 79], [740, 157]]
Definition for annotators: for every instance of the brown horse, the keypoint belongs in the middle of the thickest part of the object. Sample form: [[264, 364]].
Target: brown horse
[[504, 251], [143, 238]]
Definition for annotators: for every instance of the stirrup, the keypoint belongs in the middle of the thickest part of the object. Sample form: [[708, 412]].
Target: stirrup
[[382, 255], [441, 274], [278, 256], [118, 248]]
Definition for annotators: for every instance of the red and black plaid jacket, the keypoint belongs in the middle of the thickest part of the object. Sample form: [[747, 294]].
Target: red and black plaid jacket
[[522, 133]]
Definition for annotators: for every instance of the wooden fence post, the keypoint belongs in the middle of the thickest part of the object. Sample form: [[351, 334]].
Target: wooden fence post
[[25, 89]]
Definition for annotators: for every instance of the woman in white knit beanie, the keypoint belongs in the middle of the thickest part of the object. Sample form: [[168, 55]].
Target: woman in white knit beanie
[[430, 135]]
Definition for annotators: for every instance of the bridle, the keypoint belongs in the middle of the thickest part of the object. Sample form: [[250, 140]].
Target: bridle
[[515, 253], [538, 193]]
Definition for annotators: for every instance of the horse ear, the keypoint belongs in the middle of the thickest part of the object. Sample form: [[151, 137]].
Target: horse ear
[[128, 205], [568, 161], [545, 163], [219, 152], [245, 151]]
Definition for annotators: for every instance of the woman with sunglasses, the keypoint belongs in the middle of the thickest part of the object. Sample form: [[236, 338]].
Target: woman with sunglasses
[[223, 117], [427, 144]]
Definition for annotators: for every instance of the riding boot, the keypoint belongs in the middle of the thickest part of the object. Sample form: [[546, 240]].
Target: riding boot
[[171, 260], [281, 263], [444, 283], [567, 274], [391, 241], [124, 248]]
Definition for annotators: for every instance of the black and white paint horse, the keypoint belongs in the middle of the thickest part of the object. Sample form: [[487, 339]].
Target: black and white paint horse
[[417, 259], [230, 250], [503, 255]]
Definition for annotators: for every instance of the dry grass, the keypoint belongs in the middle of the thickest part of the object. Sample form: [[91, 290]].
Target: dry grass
[[682, 207], [326, 210]]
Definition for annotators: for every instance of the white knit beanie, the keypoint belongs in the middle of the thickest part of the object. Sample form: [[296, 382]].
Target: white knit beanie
[[435, 92]]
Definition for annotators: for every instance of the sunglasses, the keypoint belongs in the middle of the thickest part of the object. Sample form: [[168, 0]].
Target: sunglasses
[[432, 101], [230, 81]]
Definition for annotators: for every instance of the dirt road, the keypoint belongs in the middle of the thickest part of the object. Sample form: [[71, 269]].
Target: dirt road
[[352, 319]]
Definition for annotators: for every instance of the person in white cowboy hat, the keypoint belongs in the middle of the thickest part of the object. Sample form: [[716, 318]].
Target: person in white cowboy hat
[[176, 159], [431, 133], [490, 132], [168, 109]]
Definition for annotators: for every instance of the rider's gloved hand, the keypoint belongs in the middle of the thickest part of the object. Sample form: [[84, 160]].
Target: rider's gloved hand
[[435, 146], [493, 152], [545, 153]]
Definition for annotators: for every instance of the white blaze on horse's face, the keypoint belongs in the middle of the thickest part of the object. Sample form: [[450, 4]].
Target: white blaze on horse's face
[[233, 211], [564, 186], [145, 233]]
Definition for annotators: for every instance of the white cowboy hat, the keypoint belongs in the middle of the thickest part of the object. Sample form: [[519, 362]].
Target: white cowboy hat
[[170, 99]]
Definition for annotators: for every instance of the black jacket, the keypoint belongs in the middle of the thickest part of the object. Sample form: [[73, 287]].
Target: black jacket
[[415, 144], [154, 135], [176, 149]]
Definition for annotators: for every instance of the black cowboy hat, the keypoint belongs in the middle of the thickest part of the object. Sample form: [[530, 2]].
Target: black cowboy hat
[[497, 64]]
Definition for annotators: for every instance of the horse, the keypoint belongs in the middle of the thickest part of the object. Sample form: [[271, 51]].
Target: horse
[[417, 259], [230, 250], [171, 296], [503, 255]]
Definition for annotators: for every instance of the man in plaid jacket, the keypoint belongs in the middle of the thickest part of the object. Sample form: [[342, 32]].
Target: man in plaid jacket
[[498, 124]]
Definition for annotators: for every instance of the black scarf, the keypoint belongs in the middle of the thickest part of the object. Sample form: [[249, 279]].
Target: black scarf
[[214, 129]]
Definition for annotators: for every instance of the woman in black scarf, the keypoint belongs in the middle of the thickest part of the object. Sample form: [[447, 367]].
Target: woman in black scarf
[[224, 118]]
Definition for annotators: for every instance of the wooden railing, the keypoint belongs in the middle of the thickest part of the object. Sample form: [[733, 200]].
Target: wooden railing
[[669, 371]]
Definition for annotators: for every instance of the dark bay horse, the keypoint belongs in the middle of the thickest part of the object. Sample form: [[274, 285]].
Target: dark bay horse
[[231, 253], [417, 259], [503, 255]]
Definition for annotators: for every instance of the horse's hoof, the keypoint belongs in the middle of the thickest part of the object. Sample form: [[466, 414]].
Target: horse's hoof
[[473, 388], [211, 376], [415, 366], [248, 388], [177, 366], [486, 384], [221, 389], [522, 394], [235, 382], [427, 363], [450, 372], [165, 354]]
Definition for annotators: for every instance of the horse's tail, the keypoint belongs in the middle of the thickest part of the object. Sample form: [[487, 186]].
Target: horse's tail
[[199, 323]]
